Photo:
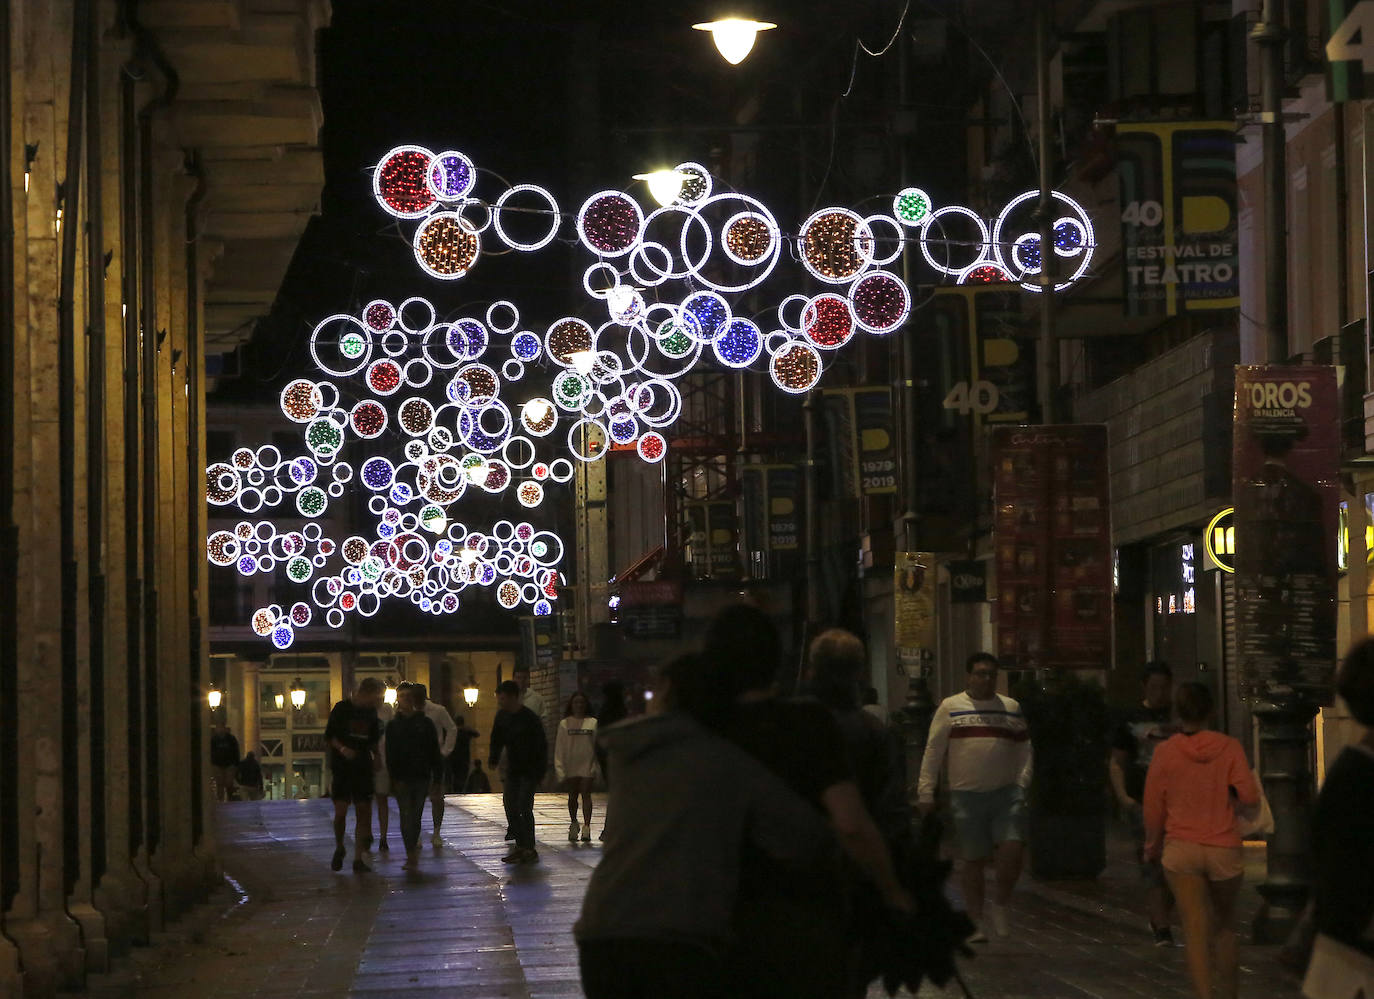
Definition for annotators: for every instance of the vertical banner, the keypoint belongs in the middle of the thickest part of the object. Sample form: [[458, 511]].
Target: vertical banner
[[1287, 496], [1178, 216], [862, 440], [1053, 543], [913, 593]]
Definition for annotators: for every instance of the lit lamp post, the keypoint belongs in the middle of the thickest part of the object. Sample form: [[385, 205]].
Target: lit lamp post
[[297, 694], [470, 692], [734, 36], [215, 697], [389, 695], [664, 185]]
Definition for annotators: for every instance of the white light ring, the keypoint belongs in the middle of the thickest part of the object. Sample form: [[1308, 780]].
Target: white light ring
[[702, 173], [763, 267], [256, 476], [773, 237], [776, 341], [639, 358], [400, 377], [437, 162], [963, 276], [693, 268], [377, 187], [417, 372], [589, 432], [900, 238], [528, 424], [249, 500], [567, 403], [1021, 270], [549, 350], [401, 315], [394, 343], [641, 252], [927, 238], [688, 215], [619, 196], [368, 604], [341, 372], [906, 302], [514, 317], [802, 301], [516, 244], [560, 470], [419, 253], [513, 370], [554, 542], [410, 523], [441, 332], [594, 406], [486, 222], [607, 368], [529, 593], [514, 464], [328, 402], [673, 409], [1079, 212], [267, 456], [773, 368], [865, 252], [272, 495], [600, 265], [757, 348], [1082, 234]]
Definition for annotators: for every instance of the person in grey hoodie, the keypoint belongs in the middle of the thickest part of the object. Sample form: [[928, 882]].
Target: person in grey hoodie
[[656, 918]]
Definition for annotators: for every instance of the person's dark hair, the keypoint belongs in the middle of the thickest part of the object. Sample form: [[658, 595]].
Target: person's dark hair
[[981, 657], [567, 711], [1157, 667], [1194, 702], [477, 764], [419, 691], [743, 648], [520, 669], [508, 687], [1355, 682], [836, 661], [870, 695], [371, 685], [692, 689]]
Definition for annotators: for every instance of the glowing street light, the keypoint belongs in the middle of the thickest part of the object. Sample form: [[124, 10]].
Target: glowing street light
[[477, 473], [389, 695], [297, 694], [468, 555], [664, 185], [536, 411], [470, 692], [583, 361], [215, 697], [734, 36], [281, 700]]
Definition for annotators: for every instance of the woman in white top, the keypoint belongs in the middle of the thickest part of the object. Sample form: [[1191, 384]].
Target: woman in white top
[[574, 760]]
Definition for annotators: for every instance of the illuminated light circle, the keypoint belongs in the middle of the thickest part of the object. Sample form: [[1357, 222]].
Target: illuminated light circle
[[540, 471], [451, 176], [589, 279], [560, 470], [312, 501], [400, 183], [652, 446], [394, 343], [523, 458], [836, 245], [303, 471], [623, 429], [301, 400], [498, 476], [334, 618], [502, 206], [379, 315], [912, 207], [446, 246], [565, 337], [299, 569], [511, 313], [263, 621], [1079, 216], [696, 183], [710, 315], [416, 416], [740, 345], [1070, 237], [587, 440], [538, 416], [440, 439], [984, 272], [508, 594], [880, 302], [800, 301], [748, 238], [1025, 253], [898, 238], [828, 321], [571, 391], [542, 608], [530, 494], [384, 377], [795, 368], [609, 223], [640, 256], [222, 548], [301, 614], [415, 315], [433, 518], [512, 370], [354, 550], [283, 635], [346, 336], [324, 437], [368, 419], [525, 346], [348, 601], [625, 305], [934, 233], [776, 341], [222, 484], [478, 385], [673, 339], [417, 372], [243, 458]]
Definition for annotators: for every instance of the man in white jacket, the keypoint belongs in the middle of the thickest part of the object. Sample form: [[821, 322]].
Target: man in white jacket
[[984, 738], [448, 738]]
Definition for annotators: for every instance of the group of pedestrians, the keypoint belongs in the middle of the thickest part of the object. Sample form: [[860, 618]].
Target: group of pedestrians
[[234, 777]]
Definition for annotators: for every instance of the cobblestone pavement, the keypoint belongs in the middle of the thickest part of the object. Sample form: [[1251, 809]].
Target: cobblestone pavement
[[466, 924]]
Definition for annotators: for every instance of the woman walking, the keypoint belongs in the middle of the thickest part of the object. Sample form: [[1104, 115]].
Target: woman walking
[[1196, 781], [574, 761], [412, 758]]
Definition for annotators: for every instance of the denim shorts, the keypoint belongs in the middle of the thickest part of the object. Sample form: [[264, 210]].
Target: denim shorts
[[985, 819]]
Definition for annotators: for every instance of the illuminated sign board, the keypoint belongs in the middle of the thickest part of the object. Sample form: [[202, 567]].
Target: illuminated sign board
[[1219, 540]]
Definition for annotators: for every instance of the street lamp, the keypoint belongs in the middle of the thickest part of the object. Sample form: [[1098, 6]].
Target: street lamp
[[389, 695], [477, 473], [536, 411], [583, 361], [470, 691], [297, 694], [214, 698], [664, 185], [281, 700], [734, 36]]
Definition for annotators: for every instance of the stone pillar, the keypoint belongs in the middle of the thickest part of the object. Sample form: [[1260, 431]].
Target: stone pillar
[[251, 700], [418, 669]]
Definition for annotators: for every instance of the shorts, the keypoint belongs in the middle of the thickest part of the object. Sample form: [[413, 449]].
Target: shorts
[[353, 784], [1216, 863], [985, 819], [1151, 871]]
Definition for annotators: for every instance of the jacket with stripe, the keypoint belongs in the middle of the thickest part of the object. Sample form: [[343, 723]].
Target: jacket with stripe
[[986, 744]]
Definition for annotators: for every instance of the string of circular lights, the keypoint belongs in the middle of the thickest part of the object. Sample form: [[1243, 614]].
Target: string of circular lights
[[417, 411]]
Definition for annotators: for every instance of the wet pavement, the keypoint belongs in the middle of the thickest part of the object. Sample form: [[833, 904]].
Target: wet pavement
[[466, 924]]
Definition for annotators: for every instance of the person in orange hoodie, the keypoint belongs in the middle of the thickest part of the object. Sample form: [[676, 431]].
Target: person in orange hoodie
[[1196, 782]]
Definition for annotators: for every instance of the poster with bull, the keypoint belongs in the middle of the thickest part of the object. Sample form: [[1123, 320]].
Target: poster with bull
[[1287, 499]]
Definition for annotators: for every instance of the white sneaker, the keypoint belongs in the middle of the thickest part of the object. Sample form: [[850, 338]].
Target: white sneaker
[[573, 830], [997, 915], [436, 840]]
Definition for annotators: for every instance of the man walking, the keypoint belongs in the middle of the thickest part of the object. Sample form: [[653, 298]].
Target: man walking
[[531, 699], [224, 757], [352, 734], [520, 733], [1142, 729], [412, 756], [985, 739], [250, 778], [448, 738]]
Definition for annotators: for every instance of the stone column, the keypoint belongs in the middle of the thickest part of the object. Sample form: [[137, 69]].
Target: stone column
[[250, 699]]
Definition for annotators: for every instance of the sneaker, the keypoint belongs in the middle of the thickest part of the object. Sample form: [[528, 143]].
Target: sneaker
[[573, 830], [587, 833], [337, 863], [514, 857], [436, 840], [360, 868], [1164, 935], [381, 845], [997, 915], [977, 936]]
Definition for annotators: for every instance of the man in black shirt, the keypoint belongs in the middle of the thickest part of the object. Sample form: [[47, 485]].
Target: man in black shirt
[[224, 757], [520, 732], [352, 734], [1143, 728]]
